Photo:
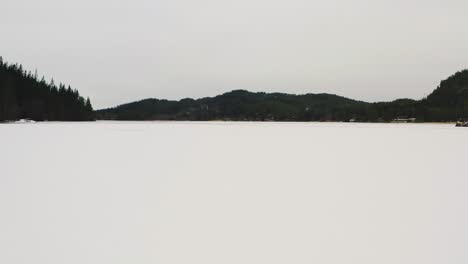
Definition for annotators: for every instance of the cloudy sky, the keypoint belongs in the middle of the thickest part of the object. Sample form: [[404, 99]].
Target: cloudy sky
[[117, 51]]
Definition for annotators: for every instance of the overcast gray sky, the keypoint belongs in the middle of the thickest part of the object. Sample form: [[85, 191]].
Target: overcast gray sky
[[117, 51]]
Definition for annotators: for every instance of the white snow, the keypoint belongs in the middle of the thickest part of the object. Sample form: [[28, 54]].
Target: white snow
[[25, 121], [221, 193]]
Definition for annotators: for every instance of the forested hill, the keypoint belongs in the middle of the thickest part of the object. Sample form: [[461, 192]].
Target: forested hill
[[449, 102], [24, 96], [239, 105]]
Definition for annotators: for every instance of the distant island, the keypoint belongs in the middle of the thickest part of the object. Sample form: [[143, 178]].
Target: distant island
[[24, 96], [447, 103]]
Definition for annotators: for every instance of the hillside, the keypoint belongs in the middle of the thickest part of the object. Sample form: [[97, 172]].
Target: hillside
[[241, 105], [24, 96], [449, 102]]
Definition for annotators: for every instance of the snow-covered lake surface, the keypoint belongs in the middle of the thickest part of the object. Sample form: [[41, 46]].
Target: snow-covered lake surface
[[221, 193]]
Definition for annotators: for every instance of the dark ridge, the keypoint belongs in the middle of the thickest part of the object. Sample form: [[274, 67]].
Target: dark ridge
[[449, 102]]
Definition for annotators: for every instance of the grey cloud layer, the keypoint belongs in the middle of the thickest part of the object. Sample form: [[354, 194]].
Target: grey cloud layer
[[117, 51]]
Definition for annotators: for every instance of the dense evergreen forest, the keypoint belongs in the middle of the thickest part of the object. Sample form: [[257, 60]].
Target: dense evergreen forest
[[24, 96], [449, 102]]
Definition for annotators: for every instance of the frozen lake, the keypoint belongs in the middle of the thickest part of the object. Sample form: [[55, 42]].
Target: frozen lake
[[222, 193]]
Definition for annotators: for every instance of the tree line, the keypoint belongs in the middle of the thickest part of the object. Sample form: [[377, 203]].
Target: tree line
[[449, 102], [24, 96]]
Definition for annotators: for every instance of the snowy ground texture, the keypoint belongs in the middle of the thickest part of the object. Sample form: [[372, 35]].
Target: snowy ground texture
[[240, 193]]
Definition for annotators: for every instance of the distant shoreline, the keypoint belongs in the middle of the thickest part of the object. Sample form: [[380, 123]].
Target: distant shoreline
[[221, 121]]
